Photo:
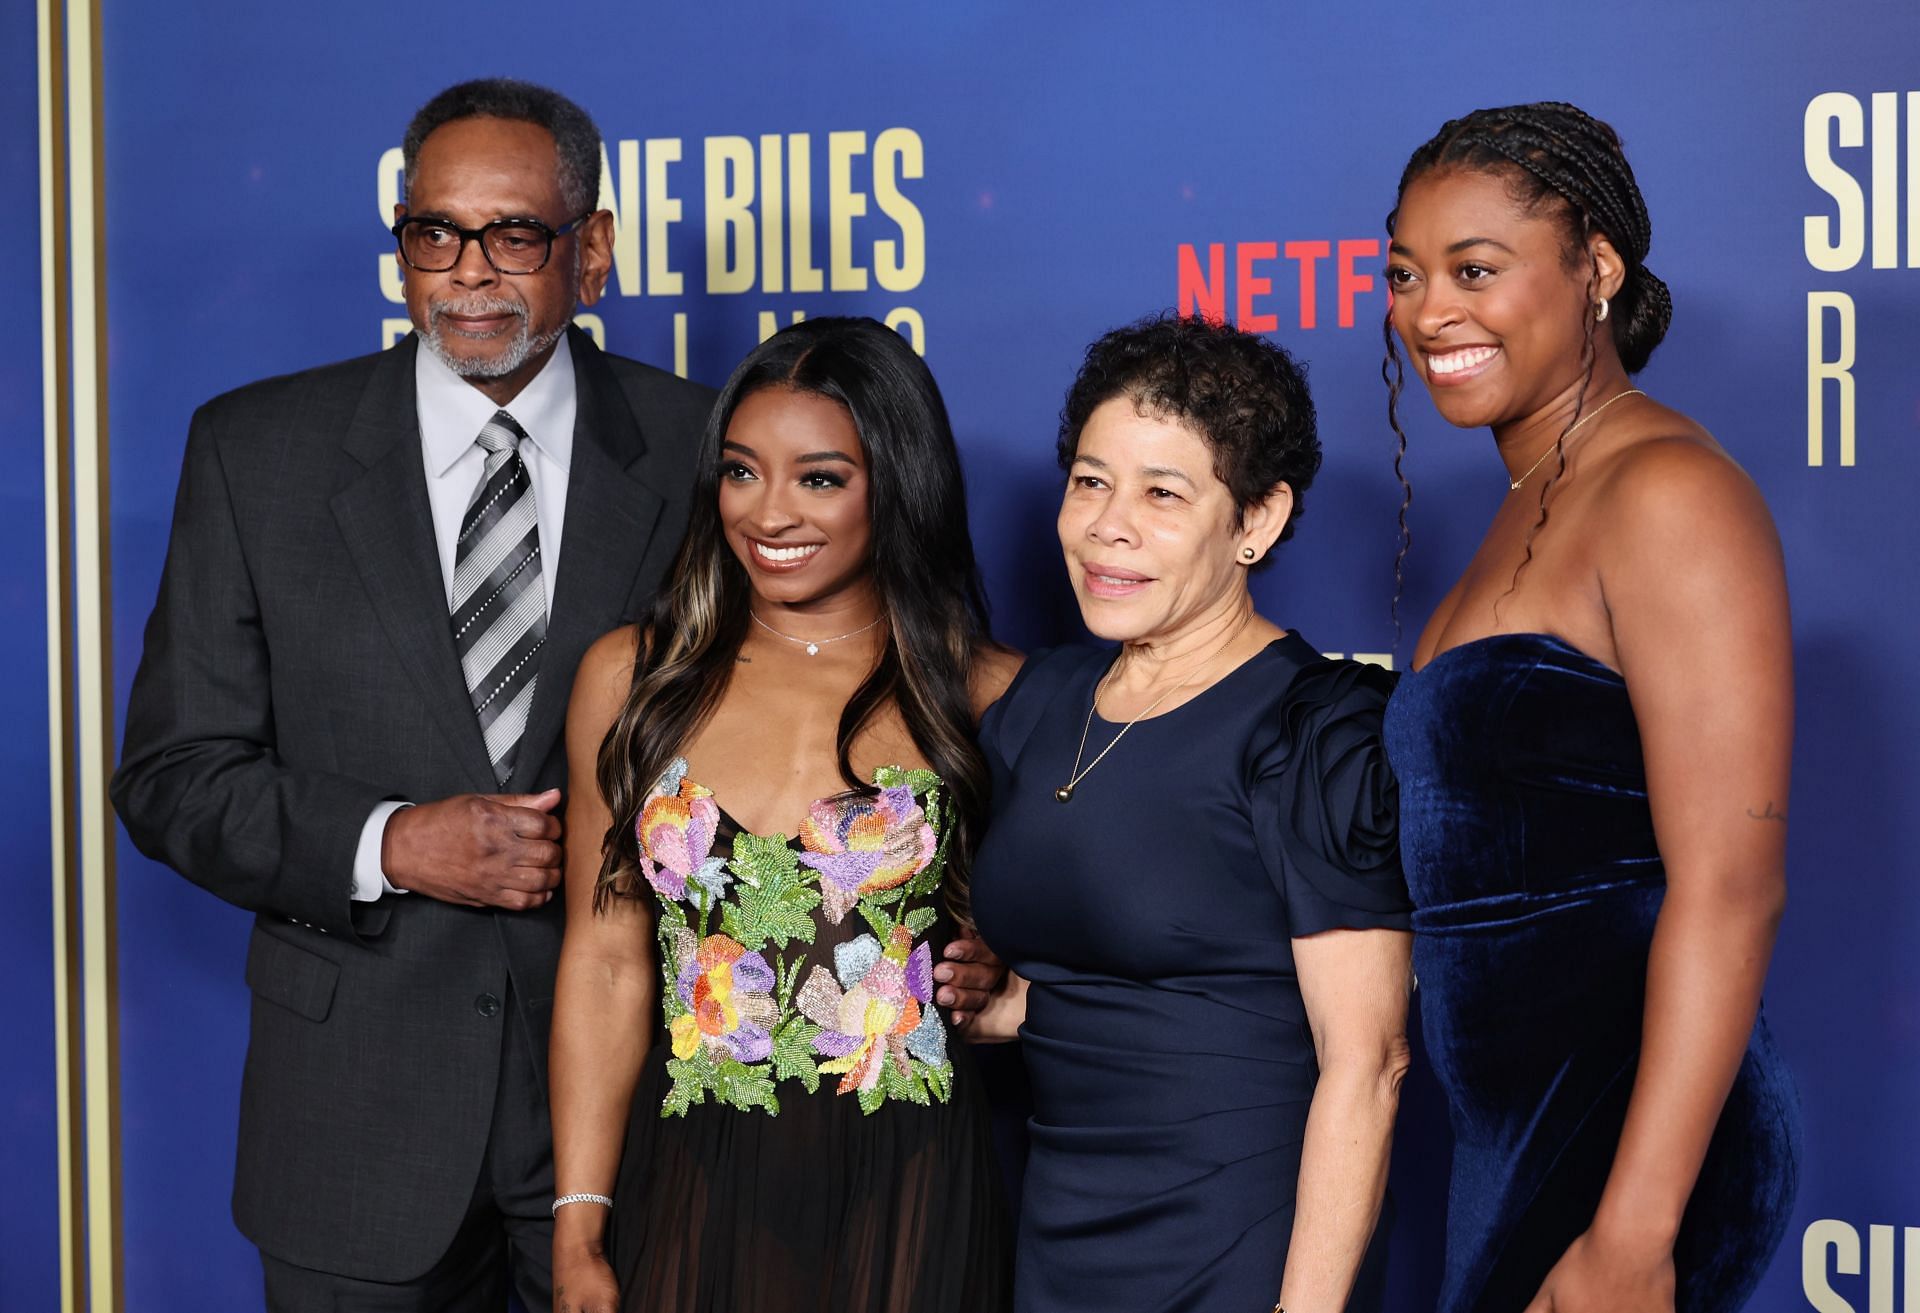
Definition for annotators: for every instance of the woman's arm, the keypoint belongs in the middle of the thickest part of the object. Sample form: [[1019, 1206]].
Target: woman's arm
[[1696, 591], [604, 999], [1354, 984]]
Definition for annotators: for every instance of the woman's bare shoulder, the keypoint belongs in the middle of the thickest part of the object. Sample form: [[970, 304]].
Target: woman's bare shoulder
[[993, 669]]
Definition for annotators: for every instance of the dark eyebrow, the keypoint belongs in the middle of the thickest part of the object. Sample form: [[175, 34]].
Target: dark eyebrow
[[1167, 472], [811, 458], [1095, 461], [1395, 248]]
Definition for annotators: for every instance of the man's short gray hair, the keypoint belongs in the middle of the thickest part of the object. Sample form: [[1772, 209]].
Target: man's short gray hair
[[575, 138]]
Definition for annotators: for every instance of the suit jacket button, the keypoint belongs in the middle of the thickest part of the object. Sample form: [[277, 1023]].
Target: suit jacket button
[[487, 1005]]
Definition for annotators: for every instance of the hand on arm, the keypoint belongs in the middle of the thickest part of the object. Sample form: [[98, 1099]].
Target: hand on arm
[[604, 999], [992, 1001], [969, 977], [1354, 984], [1707, 654]]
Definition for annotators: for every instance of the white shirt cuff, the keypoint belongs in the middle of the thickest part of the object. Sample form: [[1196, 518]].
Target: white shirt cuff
[[369, 881]]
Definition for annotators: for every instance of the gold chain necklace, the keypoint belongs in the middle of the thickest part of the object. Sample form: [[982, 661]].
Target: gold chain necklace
[[1065, 792], [1514, 486]]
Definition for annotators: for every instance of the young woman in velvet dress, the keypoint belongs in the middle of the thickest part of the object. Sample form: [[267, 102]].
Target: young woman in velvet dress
[[1592, 752]]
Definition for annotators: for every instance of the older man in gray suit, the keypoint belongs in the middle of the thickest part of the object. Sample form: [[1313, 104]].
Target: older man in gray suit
[[347, 717]]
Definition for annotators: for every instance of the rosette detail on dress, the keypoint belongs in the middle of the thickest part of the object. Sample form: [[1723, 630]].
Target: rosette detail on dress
[[865, 844], [728, 993], [675, 830], [876, 1011], [1327, 807]]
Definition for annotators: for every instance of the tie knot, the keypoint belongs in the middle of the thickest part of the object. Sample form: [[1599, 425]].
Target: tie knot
[[502, 433]]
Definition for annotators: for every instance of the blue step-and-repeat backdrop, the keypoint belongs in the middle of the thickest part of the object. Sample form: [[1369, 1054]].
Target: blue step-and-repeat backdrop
[[1002, 182]]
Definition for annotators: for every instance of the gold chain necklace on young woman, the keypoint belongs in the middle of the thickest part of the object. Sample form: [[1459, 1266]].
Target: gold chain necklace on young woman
[[813, 645], [1514, 485]]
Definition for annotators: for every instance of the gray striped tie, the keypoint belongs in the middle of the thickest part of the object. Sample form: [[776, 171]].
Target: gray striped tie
[[499, 602]]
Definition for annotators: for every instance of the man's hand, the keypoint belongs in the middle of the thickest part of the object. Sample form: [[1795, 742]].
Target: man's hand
[[968, 978], [477, 849]]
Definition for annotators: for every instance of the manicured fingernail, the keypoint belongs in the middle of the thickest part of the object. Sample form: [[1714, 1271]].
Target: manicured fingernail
[[946, 998]]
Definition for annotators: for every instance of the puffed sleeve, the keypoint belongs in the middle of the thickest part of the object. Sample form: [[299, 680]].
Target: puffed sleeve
[[1325, 806]]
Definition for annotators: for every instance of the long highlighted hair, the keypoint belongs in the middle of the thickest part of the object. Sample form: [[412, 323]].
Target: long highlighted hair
[[921, 563]]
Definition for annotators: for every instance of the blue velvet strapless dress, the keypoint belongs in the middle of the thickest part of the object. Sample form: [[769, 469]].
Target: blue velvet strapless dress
[[1530, 854], [1154, 915]]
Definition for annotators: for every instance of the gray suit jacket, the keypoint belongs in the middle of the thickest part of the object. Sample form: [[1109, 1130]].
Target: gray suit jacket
[[299, 669]]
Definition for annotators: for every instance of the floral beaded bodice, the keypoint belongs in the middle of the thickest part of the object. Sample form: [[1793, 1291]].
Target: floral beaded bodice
[[797, 960]]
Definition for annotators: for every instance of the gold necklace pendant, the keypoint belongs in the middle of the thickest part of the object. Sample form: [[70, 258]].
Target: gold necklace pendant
[[1064, 794], [1514, 484]]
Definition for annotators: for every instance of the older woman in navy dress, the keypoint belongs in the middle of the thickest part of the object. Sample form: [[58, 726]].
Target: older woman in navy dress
[[1191, 868]]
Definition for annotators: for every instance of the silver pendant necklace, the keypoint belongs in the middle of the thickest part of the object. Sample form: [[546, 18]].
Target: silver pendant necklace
[[813, 645]]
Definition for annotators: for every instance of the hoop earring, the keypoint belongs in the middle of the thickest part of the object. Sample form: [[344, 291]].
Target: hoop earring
[[1248, 555], [1601, 310]]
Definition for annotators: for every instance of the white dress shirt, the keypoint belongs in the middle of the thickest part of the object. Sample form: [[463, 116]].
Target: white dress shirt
[[452, 412]]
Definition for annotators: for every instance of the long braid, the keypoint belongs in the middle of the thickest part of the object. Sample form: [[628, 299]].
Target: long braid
[[1587, 358], [1396, 381]]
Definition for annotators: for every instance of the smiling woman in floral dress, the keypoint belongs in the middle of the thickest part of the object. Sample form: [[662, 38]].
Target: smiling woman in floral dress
[[782, 764]]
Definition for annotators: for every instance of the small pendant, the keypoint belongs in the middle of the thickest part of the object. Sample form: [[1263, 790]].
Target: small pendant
[[1064, 793], [813, 649]]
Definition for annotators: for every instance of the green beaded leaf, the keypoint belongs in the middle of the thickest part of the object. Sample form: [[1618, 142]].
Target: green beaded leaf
[[793, 1053], [919, 919], [870, 1100], [875, 916], [939, 1079], [691, 1077], [903, 1085], [745, 1087], [772, 903], [670, 1004], [919, 780]]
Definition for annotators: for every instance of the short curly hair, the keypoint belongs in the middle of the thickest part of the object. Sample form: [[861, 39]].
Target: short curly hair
[[1242, 394]]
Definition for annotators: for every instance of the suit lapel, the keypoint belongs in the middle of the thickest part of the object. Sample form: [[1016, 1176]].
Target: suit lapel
[[611, 519], [387, 523]]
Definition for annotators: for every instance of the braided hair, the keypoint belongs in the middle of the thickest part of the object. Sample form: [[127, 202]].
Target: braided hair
[[1552, 154]]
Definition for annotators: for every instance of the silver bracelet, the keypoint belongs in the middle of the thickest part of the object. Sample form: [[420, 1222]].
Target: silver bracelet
[[566, 1199]]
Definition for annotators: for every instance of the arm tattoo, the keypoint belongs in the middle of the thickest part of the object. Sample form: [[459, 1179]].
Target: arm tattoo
[[1768, 813]]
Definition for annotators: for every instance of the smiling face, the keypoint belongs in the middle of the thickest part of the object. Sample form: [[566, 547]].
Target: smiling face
[[1150, 534], [1490, 310], [793, 498], [498, 330]]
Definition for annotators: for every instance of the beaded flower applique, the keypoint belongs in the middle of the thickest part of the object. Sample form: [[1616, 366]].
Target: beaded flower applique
[[739, 1017]]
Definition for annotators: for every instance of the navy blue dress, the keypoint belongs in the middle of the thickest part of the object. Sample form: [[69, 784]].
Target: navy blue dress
[[1165, 1039], [1530, 852]]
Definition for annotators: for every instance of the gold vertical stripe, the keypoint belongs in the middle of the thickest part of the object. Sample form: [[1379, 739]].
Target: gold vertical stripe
[[51, 34], [93, 629]]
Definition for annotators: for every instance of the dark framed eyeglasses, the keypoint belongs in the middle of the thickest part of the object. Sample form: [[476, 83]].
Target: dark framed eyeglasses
[[511, 246]]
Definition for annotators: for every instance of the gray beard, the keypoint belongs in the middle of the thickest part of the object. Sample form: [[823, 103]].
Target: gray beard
[[522, 347]]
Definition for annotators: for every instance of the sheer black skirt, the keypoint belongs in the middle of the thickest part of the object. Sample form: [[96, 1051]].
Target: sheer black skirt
[[821, 1209]]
